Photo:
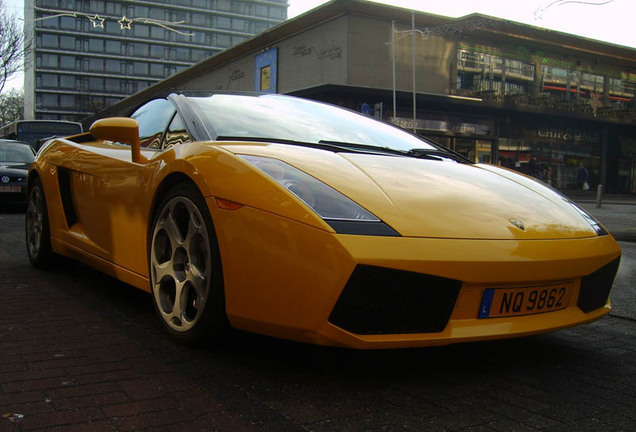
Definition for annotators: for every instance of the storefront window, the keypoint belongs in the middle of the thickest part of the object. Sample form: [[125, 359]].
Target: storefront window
[[492, 76], [621, 91], [554, 156], [592, 82], [478, 151]]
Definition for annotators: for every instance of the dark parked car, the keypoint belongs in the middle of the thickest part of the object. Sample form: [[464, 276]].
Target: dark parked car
[[15, 158]]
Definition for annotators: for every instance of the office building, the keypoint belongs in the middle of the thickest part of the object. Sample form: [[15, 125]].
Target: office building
[[88, 54]]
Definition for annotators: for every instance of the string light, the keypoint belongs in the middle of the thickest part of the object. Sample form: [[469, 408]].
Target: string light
[[125, 23], [538, 13], [97, 21]]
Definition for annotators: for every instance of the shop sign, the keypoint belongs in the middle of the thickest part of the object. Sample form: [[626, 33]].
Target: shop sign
[[410, 124], [471, 129], [581, 135], [441, 126]]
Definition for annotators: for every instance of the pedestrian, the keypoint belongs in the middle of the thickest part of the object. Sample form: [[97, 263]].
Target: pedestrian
[[532, 166], [583, 177]]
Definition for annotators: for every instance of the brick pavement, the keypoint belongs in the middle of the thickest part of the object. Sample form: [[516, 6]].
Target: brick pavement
[[82, 352]]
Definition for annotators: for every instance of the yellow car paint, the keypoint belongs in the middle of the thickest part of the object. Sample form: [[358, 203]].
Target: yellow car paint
[[284, 267]]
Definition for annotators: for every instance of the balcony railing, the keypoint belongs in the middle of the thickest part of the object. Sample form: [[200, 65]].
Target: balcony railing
[[551, 102]]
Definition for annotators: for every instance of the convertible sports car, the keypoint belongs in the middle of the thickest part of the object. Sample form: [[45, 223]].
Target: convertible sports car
[[305, 221]]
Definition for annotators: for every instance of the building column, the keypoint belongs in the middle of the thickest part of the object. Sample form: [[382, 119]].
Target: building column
[[604, 147]]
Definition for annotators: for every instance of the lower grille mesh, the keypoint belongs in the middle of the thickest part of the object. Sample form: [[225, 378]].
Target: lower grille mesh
[[596, 287], [378, 300]]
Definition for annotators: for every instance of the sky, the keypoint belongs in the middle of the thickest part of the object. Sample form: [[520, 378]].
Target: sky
[[606, 20]]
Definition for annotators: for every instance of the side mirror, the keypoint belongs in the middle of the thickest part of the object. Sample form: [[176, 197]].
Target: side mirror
[[120, 129]]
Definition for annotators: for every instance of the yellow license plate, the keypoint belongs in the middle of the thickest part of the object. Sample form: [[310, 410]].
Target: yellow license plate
[[502, 302]]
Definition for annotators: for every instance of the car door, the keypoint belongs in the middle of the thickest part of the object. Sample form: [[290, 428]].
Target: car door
[[112, 194]]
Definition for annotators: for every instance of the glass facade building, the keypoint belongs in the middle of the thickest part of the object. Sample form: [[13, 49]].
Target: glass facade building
[[88, 54]]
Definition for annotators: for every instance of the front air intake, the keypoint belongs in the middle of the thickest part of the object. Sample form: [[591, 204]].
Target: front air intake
[[379, 300], [596, 287]]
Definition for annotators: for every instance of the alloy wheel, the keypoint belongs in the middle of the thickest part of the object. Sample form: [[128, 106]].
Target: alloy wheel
[[180, 264]]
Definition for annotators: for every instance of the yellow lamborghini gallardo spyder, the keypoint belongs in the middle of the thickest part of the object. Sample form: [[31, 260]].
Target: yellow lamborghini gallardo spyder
[[302, 220]]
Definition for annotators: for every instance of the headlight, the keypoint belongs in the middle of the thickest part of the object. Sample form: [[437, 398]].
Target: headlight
[[341, 213]]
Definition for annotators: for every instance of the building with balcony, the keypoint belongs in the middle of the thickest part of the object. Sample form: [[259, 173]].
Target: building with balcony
[[534, 100], [88, 54]]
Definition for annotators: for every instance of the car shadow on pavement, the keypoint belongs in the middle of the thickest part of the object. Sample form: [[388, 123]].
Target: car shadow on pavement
[[130, 311]]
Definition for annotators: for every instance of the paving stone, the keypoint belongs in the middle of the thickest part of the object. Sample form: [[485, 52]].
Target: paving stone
[[82, 352]]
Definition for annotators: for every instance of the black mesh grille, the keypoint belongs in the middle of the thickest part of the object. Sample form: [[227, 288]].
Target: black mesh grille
[[596, 287], [378, 300]]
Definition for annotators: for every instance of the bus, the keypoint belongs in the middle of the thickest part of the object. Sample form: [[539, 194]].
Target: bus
[[33, 131]]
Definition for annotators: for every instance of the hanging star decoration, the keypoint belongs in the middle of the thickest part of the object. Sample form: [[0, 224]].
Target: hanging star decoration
[[97, 21], [125, 23]]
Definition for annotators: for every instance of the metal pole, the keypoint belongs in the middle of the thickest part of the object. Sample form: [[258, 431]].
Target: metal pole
[[599, 196], [393, 54], [413, 60]]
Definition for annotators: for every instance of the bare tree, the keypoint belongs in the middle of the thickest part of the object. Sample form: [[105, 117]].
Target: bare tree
[[11, 106], [12, 45]]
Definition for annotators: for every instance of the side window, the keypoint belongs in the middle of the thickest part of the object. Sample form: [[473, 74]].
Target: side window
[[176, 133], [153, 119]]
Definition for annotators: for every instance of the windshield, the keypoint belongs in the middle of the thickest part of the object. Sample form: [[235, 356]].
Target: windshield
[[286, 118], [16, 153]]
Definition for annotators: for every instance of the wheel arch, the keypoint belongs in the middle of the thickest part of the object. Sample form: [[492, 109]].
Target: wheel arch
[[33, 174], [170, 181], [188, 186]]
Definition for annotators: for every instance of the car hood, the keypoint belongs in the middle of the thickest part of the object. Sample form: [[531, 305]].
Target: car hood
[[435, 199], [14, 168]]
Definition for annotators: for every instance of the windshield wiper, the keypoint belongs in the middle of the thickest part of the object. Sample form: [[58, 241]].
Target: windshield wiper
[[256, 139], [340, 146], [420, 153], [333, 146], [363, 148], [437, 154]]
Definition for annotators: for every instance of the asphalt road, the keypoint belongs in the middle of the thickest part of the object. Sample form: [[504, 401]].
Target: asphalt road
[[82, 352]]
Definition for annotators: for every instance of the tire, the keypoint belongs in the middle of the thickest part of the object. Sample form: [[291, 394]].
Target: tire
[[186, 276], [38, 234]]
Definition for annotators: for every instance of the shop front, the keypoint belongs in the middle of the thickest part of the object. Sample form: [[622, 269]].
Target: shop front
[[568, 157], [471, 137]]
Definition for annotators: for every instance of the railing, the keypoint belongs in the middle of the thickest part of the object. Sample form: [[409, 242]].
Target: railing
[[554, 103]]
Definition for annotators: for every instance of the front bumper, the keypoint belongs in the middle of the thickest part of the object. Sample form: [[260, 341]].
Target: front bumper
[[284, 279]]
